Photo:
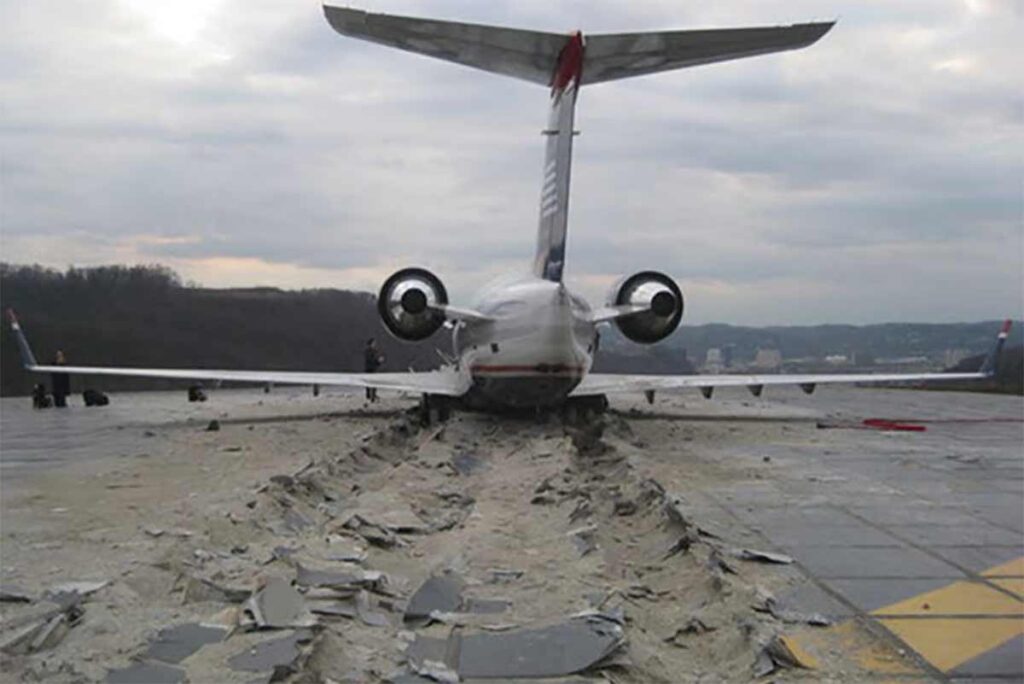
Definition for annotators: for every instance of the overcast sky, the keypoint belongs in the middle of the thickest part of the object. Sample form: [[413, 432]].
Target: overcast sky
[[876, 176]]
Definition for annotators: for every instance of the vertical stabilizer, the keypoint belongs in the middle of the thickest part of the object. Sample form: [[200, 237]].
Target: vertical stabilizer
[[554, 197]]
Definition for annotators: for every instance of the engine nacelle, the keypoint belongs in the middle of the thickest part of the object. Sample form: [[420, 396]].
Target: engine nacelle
[[661, 294], [405, 302]]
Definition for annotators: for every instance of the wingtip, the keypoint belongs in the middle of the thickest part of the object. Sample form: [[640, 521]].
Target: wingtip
[[1007, 324], [11, 316]]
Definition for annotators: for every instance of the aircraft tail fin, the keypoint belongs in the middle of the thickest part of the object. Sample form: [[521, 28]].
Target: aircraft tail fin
[[991, 364], [28, 359]]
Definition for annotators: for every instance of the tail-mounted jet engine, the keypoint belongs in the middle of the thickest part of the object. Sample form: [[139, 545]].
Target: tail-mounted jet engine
[[654, 290], [406, 304]]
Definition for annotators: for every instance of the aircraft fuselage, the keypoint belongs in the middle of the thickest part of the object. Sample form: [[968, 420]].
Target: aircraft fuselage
[[538, 347]]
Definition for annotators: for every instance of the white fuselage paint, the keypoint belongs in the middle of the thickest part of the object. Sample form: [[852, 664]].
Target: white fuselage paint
[[538, 347]]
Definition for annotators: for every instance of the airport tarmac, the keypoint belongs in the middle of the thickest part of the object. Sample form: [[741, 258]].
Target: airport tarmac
[[910, 543]]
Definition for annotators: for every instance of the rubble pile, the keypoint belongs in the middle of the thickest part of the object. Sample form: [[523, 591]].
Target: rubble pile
[[480, 549]]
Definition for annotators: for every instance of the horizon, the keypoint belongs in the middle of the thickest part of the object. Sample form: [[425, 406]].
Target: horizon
[[1018, 323], [871, 177]]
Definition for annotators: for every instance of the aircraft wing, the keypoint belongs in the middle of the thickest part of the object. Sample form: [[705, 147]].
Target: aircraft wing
[[602, 383], [446, 381]]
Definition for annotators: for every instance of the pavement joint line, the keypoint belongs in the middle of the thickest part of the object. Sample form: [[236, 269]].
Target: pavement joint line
[[863, 618], [976, 576]]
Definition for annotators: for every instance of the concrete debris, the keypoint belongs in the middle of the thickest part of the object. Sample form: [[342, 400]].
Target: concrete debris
[[278, 605], [761, 556], [150, 673], [716, 562], [45, 630], [386, 514], [280, 656], [374, 535], [12, 594], [442, 593], [199, 590], [366, 608], [345, 608], [785, 653], [584, 539], [174, 644], [504, 576], [578, 645], [80, 588], [353, 581], [465, 464], [154, 532], [681, 545], [625, 507], [694, 626]]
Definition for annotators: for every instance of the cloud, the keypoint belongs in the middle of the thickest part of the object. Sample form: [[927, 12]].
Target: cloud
[[875, 176]]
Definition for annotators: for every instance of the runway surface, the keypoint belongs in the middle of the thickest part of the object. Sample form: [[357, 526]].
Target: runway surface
[[912, 543]]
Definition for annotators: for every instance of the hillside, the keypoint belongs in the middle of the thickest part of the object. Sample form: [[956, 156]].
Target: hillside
[[144, 316]]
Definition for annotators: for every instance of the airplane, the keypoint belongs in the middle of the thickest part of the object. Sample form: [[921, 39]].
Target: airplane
[[528, 341]]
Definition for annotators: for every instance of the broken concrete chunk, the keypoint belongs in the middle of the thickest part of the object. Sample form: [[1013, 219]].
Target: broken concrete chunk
[[465, 464], [150, 673], [174, 644], [503, 576], [13, 594], [584, 539], [280, 656], [339, 608], [576, 645], [80, 588], [693, 626], [783, 652], [279, 605], [368, 613], [199, 590], [441, 593], [308, 577], [762, 556]]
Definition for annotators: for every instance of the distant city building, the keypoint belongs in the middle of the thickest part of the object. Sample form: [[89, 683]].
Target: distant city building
[[768, 359], [713, 361], [837, 359], [728, 355], [954, 356]]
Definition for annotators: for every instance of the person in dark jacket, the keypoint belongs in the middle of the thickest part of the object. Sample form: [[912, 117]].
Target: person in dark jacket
[[372, 360], [60, 383]]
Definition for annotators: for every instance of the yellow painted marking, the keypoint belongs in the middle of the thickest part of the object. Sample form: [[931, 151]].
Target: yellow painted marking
[[959, 598], [849, 644], [1014, 568], [949, 642], [1014, 584], [800, 655]]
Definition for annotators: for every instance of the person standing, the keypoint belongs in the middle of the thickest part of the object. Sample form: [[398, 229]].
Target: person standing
[[372, 360], [60, 383]]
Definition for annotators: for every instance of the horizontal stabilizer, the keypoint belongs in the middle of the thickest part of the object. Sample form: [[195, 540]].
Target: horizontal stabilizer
[[533, 55], [528, 55], [622, 55]]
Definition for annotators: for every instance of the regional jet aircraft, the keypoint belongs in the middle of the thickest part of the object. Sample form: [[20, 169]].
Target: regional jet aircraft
[[528, 341]]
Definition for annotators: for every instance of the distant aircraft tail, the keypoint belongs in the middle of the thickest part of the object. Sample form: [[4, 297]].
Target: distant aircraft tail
[[991, 363], [564, 63]]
